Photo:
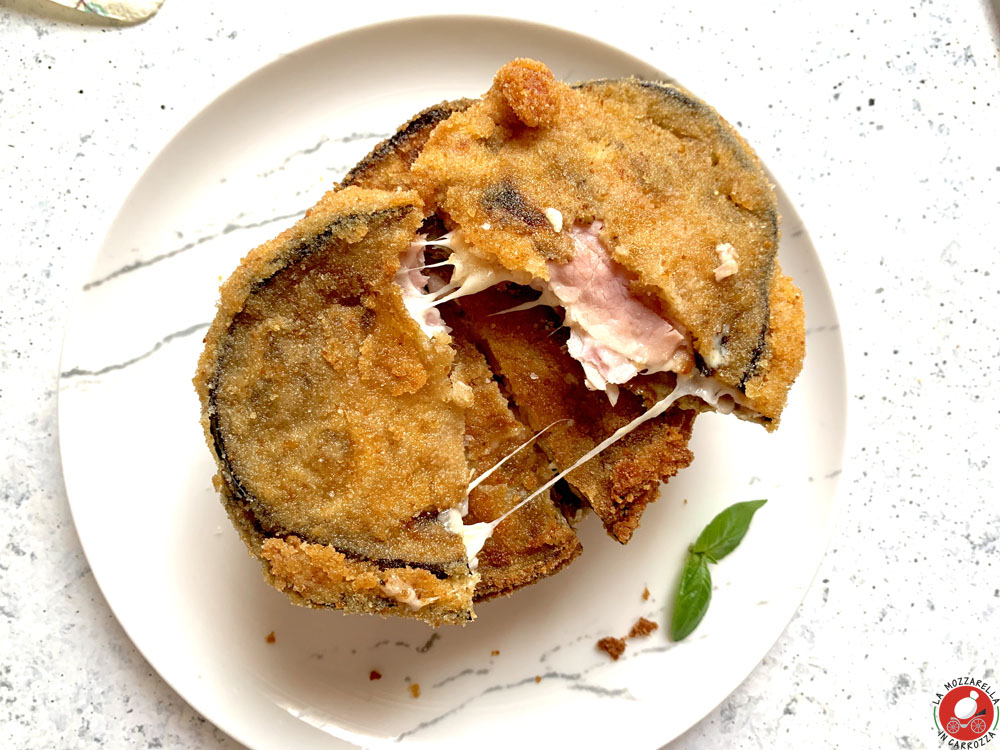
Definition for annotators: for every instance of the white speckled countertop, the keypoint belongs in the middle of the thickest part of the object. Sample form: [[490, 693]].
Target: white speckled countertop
[[882, 126]]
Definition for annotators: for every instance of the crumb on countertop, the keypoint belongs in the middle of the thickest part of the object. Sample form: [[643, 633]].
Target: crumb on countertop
[[495, 652], [270, 637], [374, 675], [645, 594], [642, 627], [613, 647], [415, 689]]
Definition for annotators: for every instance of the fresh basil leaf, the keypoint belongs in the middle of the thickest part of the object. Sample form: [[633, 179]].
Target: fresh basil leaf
[[693, 595], [724, 532]]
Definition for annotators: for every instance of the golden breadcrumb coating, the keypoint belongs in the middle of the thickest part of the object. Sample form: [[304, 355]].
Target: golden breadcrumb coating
[[671, 181], [317, 573], [768, 389], [387, 167]]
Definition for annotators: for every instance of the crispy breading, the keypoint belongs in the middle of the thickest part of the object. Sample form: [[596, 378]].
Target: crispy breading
[[537, 540], [768, 389], [387, 167], [669, 178]]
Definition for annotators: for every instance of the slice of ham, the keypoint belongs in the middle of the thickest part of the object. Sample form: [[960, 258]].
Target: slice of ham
[[613, 333]]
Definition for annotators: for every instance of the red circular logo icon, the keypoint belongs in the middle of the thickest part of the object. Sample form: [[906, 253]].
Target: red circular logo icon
[[965, 713]]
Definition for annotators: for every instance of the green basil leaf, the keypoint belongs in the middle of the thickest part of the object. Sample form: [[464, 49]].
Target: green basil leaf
[[693, 595], [724, 532]]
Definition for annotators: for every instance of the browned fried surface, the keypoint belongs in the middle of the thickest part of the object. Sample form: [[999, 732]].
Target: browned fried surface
[[331, 402], [317, 573], [528, 88], [621, 482], [536, 540], [548, 385], [341, 430], [387, 167], [670, 179], [333, 418]]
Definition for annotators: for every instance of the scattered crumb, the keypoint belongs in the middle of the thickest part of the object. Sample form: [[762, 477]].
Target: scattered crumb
[[494, 652], [538, 678], [642, 628], [613, 647], [270, 637], [415, 689], [685, 501], [374, 675], [555, 218], [645, 594]]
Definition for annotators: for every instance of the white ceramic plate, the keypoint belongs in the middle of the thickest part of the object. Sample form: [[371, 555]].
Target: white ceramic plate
[[180, 581]]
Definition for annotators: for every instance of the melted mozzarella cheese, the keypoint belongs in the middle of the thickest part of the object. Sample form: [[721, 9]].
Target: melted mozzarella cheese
[[397, 589]]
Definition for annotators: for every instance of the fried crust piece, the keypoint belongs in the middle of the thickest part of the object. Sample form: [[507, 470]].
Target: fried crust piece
[[672, 182]]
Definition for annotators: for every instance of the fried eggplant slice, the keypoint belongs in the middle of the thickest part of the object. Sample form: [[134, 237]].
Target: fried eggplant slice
[[666, 205], [334, 420], [529, 349]]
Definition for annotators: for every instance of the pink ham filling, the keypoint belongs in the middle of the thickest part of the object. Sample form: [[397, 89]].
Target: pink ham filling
[[613, 334]]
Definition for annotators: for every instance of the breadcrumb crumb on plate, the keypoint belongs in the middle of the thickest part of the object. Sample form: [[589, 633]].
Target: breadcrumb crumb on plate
[[642, 627], [613, 647]]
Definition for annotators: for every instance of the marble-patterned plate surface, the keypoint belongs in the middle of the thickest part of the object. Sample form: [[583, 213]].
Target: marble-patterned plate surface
[[527, 671]]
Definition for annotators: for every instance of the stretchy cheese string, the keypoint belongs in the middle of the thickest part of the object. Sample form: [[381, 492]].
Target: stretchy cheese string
[[431, 265], [480, 532]]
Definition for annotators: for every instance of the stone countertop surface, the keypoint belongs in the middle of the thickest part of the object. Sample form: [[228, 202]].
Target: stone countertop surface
[[882, 126]]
